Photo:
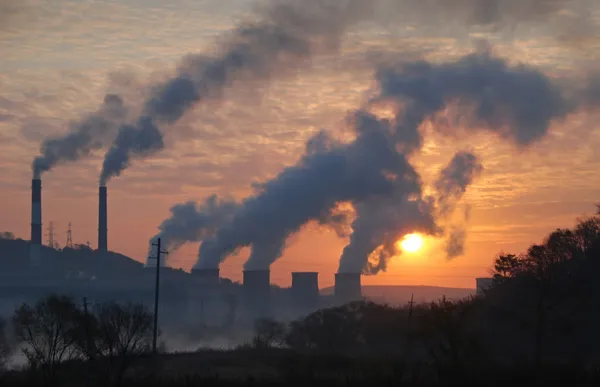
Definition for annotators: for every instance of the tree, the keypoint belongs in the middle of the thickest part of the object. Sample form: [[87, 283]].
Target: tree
[[445, 331], [506, 266], [268, 333], [113, 335], [5, 345], [7, 235], [47, 332]]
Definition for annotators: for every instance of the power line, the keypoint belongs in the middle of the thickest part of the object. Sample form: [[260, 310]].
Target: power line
[[69, 243], [50, 236]]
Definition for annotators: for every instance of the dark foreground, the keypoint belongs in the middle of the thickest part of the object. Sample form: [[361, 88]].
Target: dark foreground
[[273, 367]]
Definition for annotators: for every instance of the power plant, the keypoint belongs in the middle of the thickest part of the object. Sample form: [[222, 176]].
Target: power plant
[[213, 300]]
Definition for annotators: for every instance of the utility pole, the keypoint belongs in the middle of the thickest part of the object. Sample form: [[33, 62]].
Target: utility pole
[[410, 308], [156, 292]]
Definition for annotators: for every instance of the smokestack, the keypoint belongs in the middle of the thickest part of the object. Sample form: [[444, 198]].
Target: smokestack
[[102, 220], [305, 290], [257, 291], [35, 248], [347, 287]]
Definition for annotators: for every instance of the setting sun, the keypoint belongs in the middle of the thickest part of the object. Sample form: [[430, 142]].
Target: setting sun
[[411, 243]]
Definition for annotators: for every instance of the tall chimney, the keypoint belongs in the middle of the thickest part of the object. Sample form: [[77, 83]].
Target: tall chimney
[[305, 290], [35, 247], [347, 287], [257, 292], [102, 220]]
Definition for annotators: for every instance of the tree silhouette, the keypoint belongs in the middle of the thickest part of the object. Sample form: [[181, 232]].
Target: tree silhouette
[[6, 348], [47, 332], [268, 333]]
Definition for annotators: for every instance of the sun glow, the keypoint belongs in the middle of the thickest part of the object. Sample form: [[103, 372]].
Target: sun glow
[[411, 243]]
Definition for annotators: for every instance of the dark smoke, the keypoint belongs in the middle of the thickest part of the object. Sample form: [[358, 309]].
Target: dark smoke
[[454, 179], [139, 140], [515, 102], [90, 133], [451, 185], [455, 244], [497, 13], [329, 173], [379, 224], [193, 222], [285, 38]]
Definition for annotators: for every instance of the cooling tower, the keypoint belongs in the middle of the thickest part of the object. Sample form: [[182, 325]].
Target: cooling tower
[[35, 247], [305, 290], [347, 287], [102, 220], [205, 298], [206, 277], [257, 292]]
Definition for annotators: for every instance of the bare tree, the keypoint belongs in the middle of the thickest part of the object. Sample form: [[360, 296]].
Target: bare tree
[[5, 347], [268, 333], [115, 335], [46, 331]]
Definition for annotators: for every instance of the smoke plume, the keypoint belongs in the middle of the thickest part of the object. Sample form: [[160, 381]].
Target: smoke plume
[[192, 222], [286, 36], [139, 140], [90, 133], [516, 102], [494, 96], [495, 13], [329, 173], [372, 172], [454, 179], [451, 185]]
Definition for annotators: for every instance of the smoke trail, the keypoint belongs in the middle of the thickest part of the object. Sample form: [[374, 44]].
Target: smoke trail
[[329, 173], [283, 40], [517, 103], [192, 222], [287, 35], [90, 133], [379, 224], [455, 245], [457, 237], [451, 185], [493, 13], [454, 179], [140, 140]]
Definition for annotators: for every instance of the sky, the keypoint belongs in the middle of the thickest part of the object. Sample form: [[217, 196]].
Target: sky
[[60, 57]]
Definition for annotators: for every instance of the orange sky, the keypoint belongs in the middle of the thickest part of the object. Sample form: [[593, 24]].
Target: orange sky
[[60, 57]]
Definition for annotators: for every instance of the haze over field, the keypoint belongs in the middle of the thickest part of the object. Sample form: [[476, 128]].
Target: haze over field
[[488, 109]]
